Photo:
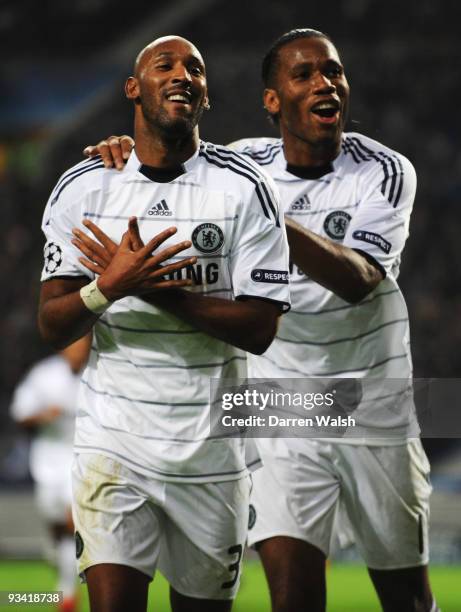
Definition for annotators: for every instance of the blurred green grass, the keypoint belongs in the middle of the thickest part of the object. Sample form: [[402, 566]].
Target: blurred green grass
[[349, 588]]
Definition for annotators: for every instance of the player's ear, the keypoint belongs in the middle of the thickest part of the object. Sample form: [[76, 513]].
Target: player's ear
[[132, 88], [271, 101], [206, 103]]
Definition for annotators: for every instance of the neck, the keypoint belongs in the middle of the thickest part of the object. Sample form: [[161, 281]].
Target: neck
[[306, 154], [159, 150]]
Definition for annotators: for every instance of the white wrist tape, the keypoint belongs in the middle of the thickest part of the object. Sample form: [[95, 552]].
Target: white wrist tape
[[93, 298]]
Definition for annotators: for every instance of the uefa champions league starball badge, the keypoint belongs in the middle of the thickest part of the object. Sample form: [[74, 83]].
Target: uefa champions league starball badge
[[53, 257]]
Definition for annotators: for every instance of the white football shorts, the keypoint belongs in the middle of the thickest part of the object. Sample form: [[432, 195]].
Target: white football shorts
[[192, 533], [384, 490]]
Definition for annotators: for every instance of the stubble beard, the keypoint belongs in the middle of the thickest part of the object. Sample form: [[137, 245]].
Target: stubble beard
[[170, 128], [326, 138]]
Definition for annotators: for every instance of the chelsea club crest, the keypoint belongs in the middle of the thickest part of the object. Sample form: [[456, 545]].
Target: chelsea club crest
[[207, 238], [336, 224]]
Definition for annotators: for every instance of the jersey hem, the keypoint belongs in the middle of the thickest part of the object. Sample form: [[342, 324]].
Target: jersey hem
[[164, 477], [284, 306], [372, 260], [45, 279]]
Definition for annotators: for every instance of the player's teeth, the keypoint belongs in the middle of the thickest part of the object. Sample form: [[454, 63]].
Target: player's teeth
[[178, 98]]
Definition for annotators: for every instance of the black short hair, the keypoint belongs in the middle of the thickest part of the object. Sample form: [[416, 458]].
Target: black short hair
[[270, 61]]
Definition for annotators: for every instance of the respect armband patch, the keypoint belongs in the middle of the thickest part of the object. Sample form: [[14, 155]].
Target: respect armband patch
[[260, 275], [373, 238]]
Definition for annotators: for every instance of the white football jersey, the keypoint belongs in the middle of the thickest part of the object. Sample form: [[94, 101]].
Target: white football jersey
[[362, 200], [145, 394], [50, 383]]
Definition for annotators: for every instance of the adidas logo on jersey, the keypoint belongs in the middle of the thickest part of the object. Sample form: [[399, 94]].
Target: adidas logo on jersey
[[160, 210], [302, 204]]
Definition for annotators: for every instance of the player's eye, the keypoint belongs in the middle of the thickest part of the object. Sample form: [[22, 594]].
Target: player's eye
[[163, 66], [196, 71], [333, 72], [302, 75]]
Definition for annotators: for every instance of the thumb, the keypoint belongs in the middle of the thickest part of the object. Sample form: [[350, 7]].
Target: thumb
[[125, 244], [133, 230]]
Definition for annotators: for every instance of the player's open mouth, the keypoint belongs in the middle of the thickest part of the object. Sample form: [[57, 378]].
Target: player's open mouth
[[327, 112], [179, 97]]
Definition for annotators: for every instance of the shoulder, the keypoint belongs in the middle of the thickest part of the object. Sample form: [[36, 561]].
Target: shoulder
[[367, 151], [48, 368], [74, 185], [261, 150], [77, 180], [39, 374], [376, 162], [239, 174], [239, 166]]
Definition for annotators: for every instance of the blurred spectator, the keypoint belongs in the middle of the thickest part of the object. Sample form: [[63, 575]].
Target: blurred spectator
[[44, 403]]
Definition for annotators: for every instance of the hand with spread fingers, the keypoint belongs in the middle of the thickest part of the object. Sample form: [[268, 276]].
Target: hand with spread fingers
[[114, 151], [131, 267]]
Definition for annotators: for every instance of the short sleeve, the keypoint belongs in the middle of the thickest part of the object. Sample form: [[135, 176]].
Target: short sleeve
[[259, 256], [380, 225], [60, 257]]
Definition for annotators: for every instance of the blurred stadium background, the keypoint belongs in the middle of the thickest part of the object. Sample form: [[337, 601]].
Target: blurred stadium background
[[62, 76]]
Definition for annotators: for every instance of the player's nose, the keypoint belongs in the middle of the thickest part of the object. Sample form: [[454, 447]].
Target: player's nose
[[181, 74], [322, 84]]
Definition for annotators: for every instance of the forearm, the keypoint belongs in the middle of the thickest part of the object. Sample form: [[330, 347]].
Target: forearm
[[62, 319], [41, 418], [249, 325], [334, 266]]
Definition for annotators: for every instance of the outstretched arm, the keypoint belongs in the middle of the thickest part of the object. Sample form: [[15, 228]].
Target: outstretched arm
[[248, 324]]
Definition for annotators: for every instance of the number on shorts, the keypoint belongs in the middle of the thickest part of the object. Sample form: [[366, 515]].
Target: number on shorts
[[234, 567]]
